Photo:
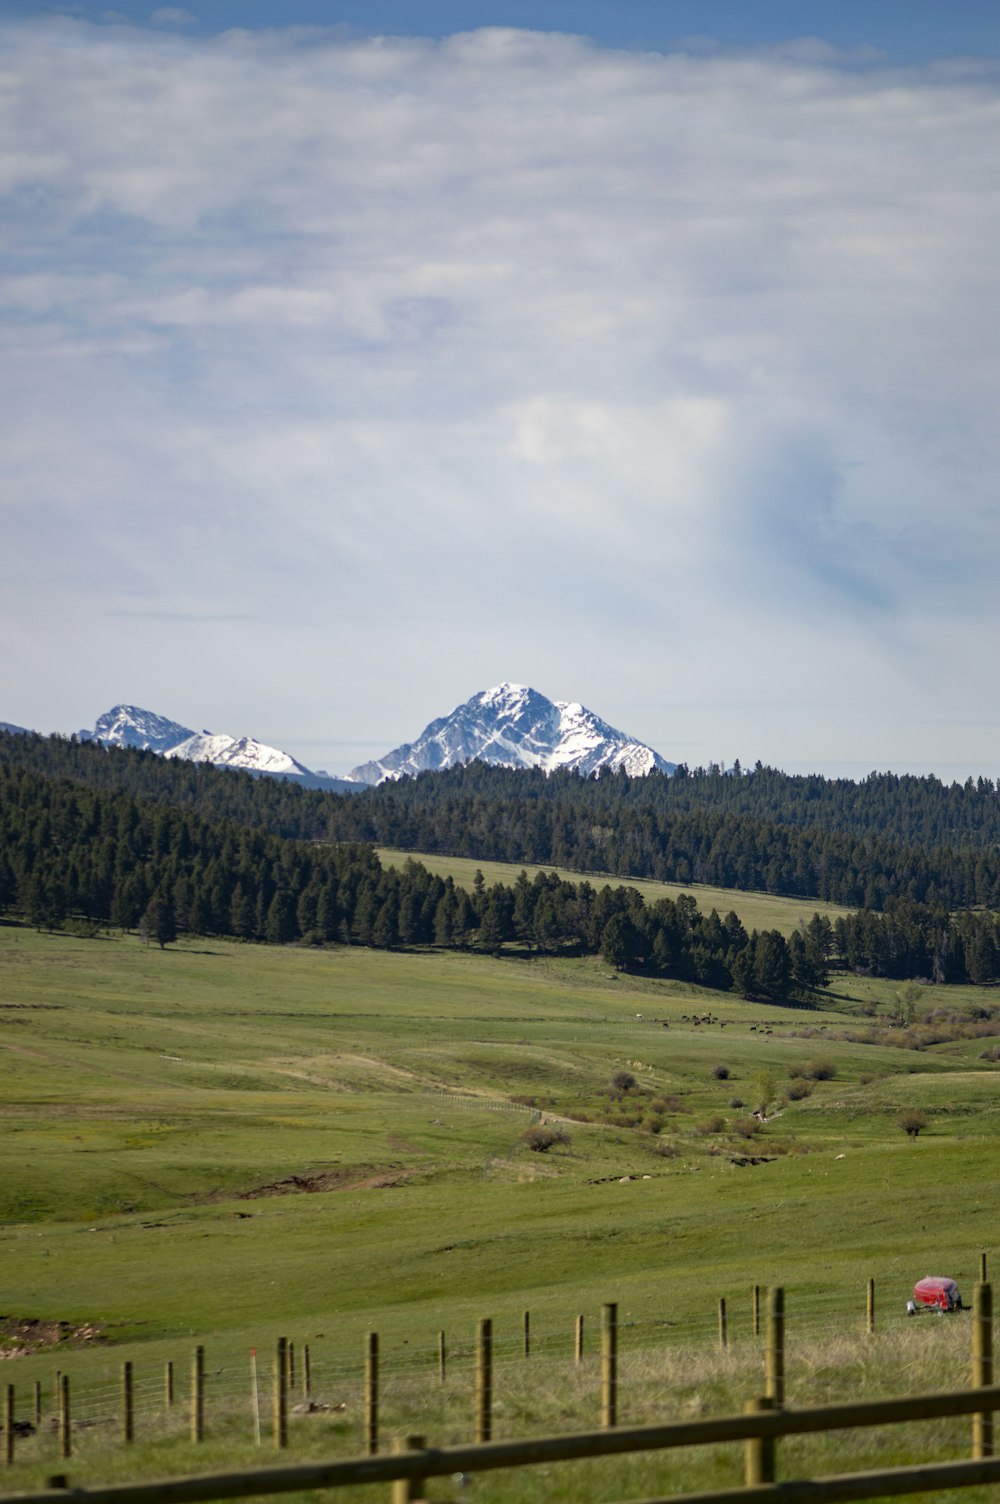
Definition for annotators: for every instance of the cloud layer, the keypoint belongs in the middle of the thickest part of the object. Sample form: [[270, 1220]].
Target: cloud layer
[[343, 378]]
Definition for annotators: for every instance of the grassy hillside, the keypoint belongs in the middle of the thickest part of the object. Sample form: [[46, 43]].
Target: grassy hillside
[[761, 911], [238, 1141]]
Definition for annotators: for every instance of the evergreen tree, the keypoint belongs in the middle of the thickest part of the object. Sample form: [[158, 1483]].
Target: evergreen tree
[[278, 928], [772, 969], [620, 943], [158, 922]]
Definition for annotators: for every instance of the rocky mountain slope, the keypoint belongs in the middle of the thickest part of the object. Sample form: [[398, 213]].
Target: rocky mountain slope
[[518, 727], [131, 726]]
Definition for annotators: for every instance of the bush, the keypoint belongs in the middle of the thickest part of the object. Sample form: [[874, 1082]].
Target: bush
[[720, 1072], [714, 1124], [541, 1139], [913, 1121], [623, 1081], [820, 1069], [747, 1127], [736, 1102], [665, 1149], [799, 1088]]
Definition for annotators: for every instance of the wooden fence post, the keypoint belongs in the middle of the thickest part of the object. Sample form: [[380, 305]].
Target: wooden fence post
[[168, 1386], [484, 1380], [281, 1394], [198, 1395], [57, 1394], [306, 1372], [371, 1394], [723, 1330], [755, 1307], [255, 1396], [291, 1366], [758, 1462], [65, 1440], [38, 1404], [408, 1490], [578, 1346], [527, 1334], [982, 1267], [128, 1406], [870, 1309], [609, 1366], [774, 1356], [8, 1425], [982, 1366], [442, 1358]]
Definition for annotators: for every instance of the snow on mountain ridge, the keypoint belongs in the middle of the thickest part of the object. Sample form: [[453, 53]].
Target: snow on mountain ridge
[[515, 726], [131, 726]]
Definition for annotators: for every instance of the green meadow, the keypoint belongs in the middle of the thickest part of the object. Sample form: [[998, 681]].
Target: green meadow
[[223, 1143]]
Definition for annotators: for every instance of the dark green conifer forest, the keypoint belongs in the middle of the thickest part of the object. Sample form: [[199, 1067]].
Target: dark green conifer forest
[[93, 837]]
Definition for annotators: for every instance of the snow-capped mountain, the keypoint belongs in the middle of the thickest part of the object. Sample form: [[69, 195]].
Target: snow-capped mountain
[[517, 727], [131, 726]]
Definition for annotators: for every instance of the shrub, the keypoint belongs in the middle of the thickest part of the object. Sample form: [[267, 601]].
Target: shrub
[[623, 1081], [799, 1088], [720, 1072], [820, 1069], [541, 1139], [736, 1102], [714, 1124], [912, 1121], [747, 1127], [665, 1149]]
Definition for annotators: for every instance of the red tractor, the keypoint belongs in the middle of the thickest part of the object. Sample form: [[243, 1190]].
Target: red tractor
[[934, 1293]]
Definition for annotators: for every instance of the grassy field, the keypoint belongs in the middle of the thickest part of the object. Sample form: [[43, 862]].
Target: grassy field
[[761, 911], [225, 1143]]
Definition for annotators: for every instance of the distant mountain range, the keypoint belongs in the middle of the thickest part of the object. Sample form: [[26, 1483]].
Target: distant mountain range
[[517, 727], [131, 726], [510, 725]]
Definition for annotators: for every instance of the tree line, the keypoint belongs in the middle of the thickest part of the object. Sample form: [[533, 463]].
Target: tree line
[[73, 854], [858, 844], [70, 854]]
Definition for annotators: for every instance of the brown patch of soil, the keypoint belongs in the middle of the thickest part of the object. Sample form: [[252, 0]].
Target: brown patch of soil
[[356, 1179], [20, 1336]]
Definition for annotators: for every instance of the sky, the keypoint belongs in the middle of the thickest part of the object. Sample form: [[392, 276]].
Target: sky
[[358, 357]]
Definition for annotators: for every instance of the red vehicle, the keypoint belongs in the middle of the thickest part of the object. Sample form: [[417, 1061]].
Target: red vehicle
[[934, 1293]]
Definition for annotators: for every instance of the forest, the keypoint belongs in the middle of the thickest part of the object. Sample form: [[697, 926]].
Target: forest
[[92, 837], [860, 844]]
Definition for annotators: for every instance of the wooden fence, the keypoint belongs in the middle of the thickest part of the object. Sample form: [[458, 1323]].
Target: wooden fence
[[762, 1425], [759, 1428]]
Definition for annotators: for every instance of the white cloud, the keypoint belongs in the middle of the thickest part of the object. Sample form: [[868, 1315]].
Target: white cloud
[[651, 376], [171, 15]]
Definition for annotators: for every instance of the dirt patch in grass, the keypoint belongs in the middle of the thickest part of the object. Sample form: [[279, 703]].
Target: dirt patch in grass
[[355, 1179], [20, 1336]]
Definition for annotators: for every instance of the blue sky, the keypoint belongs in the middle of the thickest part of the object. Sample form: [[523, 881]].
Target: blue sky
[[360, 357], [903, 30]]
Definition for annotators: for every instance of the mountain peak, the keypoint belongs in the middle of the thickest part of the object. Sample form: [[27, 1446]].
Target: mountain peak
[[515, 726], [131, 726]]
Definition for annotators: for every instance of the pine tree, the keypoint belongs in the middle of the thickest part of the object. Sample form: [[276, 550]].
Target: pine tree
[[772, 967], [158, 922]]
